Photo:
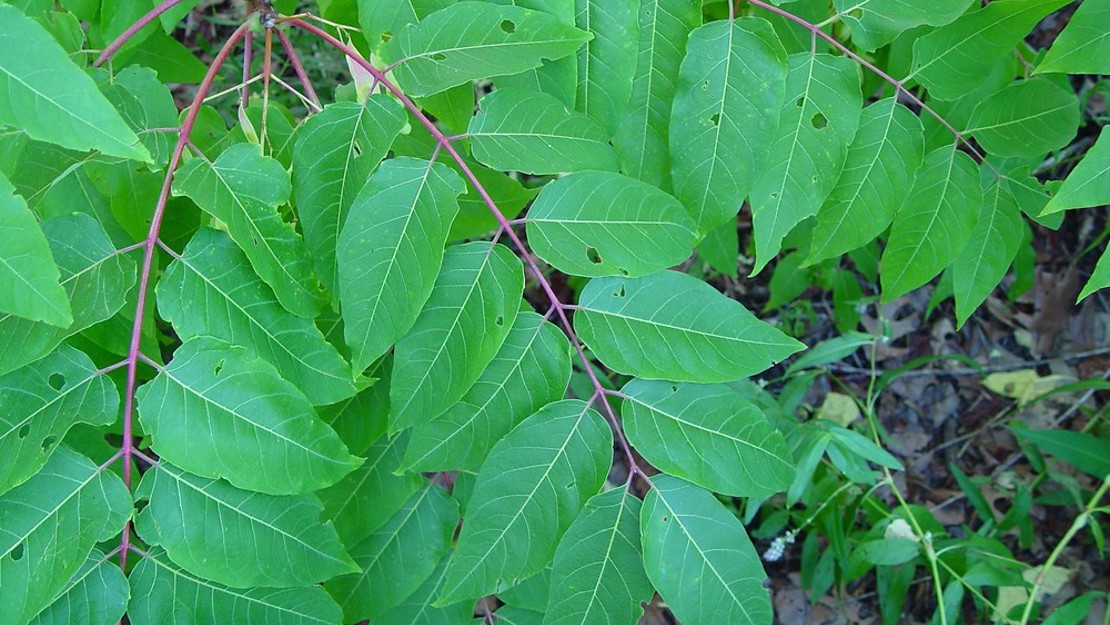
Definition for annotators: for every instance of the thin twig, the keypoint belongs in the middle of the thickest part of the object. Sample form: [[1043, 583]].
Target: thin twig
[[134, 28], [298, 69]]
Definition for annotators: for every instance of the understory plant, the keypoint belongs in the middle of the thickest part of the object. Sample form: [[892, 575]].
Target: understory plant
[[451, 344]]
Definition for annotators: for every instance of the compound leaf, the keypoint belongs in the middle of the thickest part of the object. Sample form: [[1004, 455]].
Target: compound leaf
[[235, 537], [673, 326], [69, 498], [29, 277], [471, 309], [1028, 118], [1083, 47], [472, 40], [607, 63], [528, 493], [243, 189], [1089, 183], [699, 558], [596, 223], [43, 93], [216, 403], [983, 262], [211, 290], [335, 152], [96, 595], [599, 572], [41, 402], [390, 251], [707, 434], [730, 90], [934, 223], [397, 558], [534, 133], [531, 370], [160, 588]]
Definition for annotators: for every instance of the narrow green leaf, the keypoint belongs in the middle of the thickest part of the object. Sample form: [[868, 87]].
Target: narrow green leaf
[[470, 312], [41, 402], [952, 60], [418, 609], [1084, 45], [367, 497], [51, 99], [707, 434], [1028, 118], [48, 527], [673, 326], [390, 251], [398, 558], [243, 189], [1100, 278], [983, 262], [598, 574], [161, 588], [888, 551], [28, 275], [878, 173], [379, 17], [211, 290], [934, 223], [1082, 450], [513, 523], [531, 370], [334, 153], [725, 116], [699, 557], [236, 537], [95, 277], [607, 63], [217, 403], [596, 223], [875, 23], [534, 133], [472, 40], [818, 122], [1089, 183], [96, 595], [641, 138]]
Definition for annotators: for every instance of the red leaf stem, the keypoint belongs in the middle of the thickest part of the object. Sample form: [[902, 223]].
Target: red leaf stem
[[124, 37]]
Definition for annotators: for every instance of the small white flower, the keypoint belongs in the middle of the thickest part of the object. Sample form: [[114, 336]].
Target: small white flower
[[778, 547]]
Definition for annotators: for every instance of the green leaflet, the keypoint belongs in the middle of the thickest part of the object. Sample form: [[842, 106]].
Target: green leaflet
[[598, 574], [641, 138], [96, 595], [378, 17], [69, 498], [934, 223], [390, 251], [263, 540], [595, 223], [953, 59], [28, 275], [818, 122], [699, 557], [720, 248], [1028, 118], [160, 588], [472, 40], [43, 93], [334, 153], [673, 326], [398, 558], [1089, 183], [243, 189], [1100, 278], [707, 434], [878, 173], [983, 262], [533, 593], [875, 23], [367, 497], [362, 419], [534, 133], [1084, 45], [418, 608], [730, 90], [95, 277], [41, 402], [513, 523], [211, 290], [471, 309], [531, 370], [558, 79], [607, 63], [217, 403], [145, 103]]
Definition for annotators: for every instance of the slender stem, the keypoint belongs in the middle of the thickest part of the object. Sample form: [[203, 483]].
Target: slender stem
[[134, 28], [267, 71], [149, 244], [530, 261], [298, 68], [248, 49]]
